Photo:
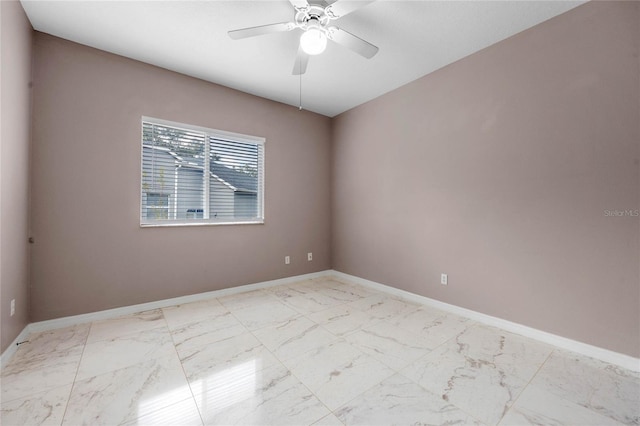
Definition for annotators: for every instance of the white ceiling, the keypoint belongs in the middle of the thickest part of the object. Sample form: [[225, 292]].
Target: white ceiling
[[415, 38]]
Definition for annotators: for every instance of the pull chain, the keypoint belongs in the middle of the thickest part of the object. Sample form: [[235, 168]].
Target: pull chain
[[300, 74]]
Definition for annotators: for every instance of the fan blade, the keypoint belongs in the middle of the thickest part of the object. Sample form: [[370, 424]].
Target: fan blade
[[345, 7], [352, 42], [302, 59], [261, 30], [299, 4]]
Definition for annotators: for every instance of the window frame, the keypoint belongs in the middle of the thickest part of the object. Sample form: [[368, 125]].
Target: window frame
[[209, 134]]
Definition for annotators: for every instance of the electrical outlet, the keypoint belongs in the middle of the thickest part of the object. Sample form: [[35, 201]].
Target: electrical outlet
[[287, 260], [444, 279], [13, 307], [309, 257]]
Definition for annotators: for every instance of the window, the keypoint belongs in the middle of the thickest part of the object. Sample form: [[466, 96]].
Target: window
[[192, 175], [157, 206]]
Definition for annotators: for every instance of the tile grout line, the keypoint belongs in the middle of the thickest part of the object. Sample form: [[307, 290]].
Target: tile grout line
[[395, 371], [337, 338], [472, 325], [342, 338], [251, 332], [184, 373], [331, 412], [75, 377], [277, 358], [524, 388], [297, 378]]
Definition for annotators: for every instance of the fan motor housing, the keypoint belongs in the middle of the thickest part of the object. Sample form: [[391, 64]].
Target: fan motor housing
[[311, 17]]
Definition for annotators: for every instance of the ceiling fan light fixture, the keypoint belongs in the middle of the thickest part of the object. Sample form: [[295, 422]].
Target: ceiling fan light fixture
[[313, 41]]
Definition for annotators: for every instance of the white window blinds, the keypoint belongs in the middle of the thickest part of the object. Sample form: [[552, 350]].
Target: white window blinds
[[192, 175]]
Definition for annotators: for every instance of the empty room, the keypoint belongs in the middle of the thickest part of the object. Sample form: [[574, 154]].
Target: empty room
[[320, 212]]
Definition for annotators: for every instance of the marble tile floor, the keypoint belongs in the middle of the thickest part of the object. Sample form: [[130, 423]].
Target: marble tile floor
[[317, 352]]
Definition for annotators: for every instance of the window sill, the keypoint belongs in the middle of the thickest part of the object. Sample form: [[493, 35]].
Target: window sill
[[181, 224]]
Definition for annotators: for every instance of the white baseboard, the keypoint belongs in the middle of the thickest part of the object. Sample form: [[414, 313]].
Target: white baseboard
[[606, 355], [132, 309]]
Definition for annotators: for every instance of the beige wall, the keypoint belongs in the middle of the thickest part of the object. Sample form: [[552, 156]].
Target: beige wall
[[90, 253], [497, 170], [14, 169]]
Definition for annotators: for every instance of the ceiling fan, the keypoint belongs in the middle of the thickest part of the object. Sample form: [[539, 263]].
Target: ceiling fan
[[314, 21]]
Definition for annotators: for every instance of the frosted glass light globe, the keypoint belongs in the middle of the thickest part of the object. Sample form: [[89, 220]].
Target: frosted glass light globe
[[313, 41]]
